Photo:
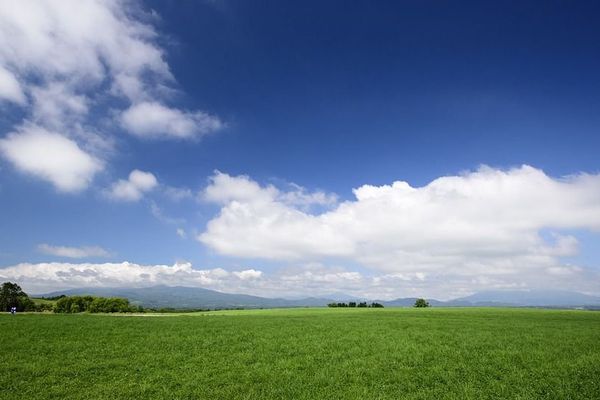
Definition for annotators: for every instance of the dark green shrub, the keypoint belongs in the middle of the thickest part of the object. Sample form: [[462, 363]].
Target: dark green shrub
[[421, 303]]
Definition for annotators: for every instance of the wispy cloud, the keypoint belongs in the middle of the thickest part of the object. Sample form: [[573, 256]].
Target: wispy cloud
[[73, 252], [158, 213], [153, 121], [67, 64]]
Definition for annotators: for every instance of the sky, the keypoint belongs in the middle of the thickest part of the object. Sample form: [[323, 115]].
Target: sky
[[286, 149]]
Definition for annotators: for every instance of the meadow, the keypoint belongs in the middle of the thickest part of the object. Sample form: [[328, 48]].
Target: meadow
[[441, 353]]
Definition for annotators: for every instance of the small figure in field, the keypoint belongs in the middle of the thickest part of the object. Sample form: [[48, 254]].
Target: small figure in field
[[13, 310]]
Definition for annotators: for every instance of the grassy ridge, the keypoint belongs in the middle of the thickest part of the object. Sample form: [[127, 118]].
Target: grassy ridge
[[43, 301], [304, 354]]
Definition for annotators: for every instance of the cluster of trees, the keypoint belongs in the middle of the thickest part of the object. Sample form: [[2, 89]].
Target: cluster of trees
[[11, 295], [76, 304], [421, 303], [354, 304]]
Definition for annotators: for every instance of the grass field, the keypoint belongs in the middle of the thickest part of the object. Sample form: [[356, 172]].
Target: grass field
[[304, 354]]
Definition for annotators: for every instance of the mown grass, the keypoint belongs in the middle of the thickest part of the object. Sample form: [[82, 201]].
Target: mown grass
[[304, 354]]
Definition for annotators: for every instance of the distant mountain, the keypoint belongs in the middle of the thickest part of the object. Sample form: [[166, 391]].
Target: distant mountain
[[190, 298], [409, 302], [342, 297], [181, 297], [534, 298], [509, 298]]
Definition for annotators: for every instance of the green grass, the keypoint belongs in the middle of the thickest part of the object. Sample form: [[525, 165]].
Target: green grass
[[43, 301], [304, 354]]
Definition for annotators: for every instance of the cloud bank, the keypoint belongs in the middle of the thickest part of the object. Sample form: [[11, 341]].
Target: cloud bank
[[489, 225], [303, 280], [43, 277]]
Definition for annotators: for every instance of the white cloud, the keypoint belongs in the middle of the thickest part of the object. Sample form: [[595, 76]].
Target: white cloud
[[50, 156], [134, 188], [302, 280], [304, 199], [483, 223], [57, 106], [153, 120], [248, 274], [44, 277], [82, 43], [73, 252], [224, 188], [181, 233], [71, 63], [10, 89]]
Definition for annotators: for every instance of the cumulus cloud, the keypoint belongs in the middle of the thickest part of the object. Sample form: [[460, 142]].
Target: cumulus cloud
[[248, 274], [50, 156], [483, 223], [224, 189], [43, 277], [153, 120], [134, 188], [69, 64], [73, 252]]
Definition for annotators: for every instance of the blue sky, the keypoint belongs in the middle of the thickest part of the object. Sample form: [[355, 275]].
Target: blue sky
[[251, 124]]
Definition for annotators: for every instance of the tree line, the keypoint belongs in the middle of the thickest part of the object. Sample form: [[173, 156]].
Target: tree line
[[419, 303], [11, 295], [355, 304], [92, 304]]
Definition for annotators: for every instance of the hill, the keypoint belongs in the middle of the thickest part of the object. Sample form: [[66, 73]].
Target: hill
[[182, 297], [191, 298], [532, 298]]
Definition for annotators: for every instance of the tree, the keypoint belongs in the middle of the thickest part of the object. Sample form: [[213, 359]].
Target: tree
[[11, 295], [76, 304], [421, 303]]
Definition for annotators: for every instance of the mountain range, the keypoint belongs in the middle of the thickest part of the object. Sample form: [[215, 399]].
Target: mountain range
[[181, 297]]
